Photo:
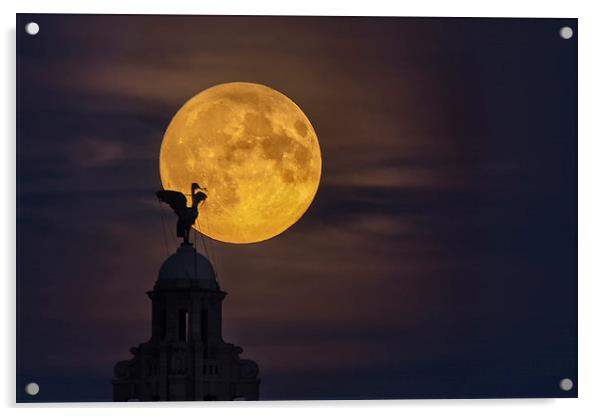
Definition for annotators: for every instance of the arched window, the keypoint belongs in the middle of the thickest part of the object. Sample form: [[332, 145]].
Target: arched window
[[163, 325], [183, 325], [204, 324]]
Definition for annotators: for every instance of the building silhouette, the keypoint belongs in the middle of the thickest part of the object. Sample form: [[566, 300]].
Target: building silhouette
[[186, 357]]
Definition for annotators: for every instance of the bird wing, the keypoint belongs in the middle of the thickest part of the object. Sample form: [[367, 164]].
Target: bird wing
[[176, 200]]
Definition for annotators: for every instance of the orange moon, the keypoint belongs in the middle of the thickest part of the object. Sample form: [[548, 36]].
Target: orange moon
[[255, 152]]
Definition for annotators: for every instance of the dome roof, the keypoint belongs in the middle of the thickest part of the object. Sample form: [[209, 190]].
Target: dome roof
[[182, 265]]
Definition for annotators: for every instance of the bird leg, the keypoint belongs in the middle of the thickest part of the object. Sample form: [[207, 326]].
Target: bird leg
[[187, 236]]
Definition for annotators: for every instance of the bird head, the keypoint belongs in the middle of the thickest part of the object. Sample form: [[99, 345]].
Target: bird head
[[199, 195]]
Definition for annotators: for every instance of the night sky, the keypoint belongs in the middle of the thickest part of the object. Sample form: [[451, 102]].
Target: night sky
[[438, 260]]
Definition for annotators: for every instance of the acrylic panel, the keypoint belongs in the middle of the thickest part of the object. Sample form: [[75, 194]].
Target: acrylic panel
[[295, 208]]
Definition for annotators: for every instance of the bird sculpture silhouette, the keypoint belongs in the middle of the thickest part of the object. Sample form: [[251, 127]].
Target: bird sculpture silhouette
[[186, 215]]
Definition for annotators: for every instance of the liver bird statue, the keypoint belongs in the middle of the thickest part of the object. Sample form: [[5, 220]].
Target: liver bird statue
[[186, 215]]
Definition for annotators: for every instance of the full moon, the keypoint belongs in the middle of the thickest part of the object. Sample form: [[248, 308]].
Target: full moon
[[254, 151]]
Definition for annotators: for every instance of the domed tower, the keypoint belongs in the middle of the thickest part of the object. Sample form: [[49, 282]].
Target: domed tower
[[186, 357]]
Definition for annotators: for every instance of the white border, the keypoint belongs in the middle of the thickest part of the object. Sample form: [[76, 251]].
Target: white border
[[590, 200]]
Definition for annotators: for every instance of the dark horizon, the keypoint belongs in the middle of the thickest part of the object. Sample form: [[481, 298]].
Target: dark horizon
[[438, 259]]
